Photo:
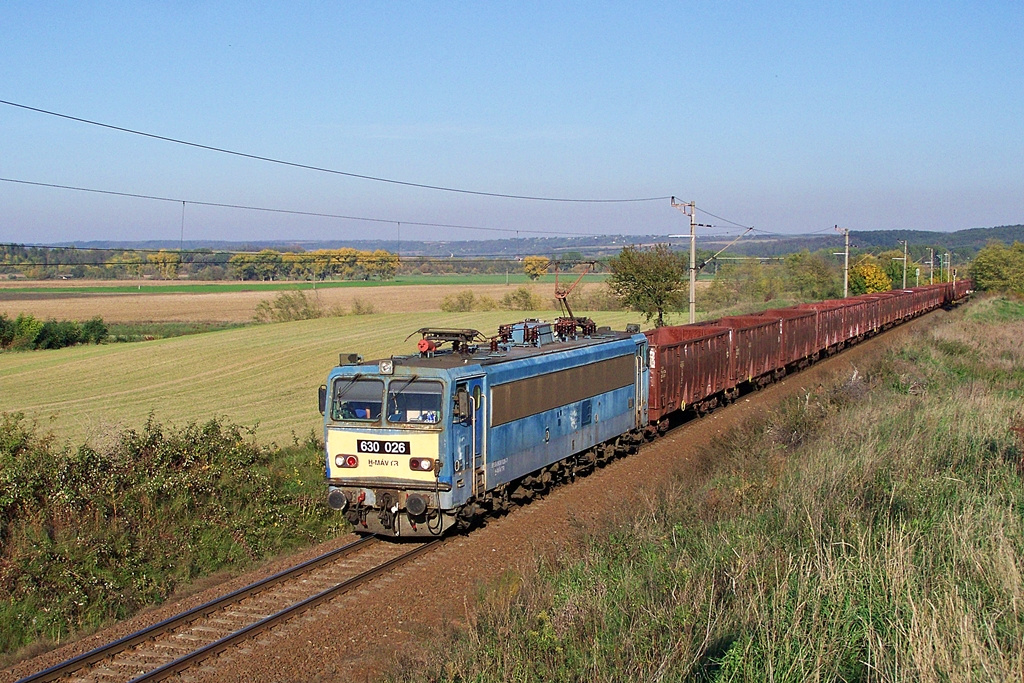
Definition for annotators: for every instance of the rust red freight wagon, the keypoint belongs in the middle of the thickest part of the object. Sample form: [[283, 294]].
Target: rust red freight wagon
[[689, 365], [698, 366], [962, 288], [830, 325], [799, 334], [757, 348]]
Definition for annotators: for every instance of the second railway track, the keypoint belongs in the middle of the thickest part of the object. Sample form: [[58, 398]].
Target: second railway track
[[184, 640]]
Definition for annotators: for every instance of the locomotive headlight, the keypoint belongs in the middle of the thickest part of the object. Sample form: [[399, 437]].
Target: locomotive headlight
[[386, 367], [346, 461]]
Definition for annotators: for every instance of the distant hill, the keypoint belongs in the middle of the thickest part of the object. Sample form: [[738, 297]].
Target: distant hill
[[964, 242]]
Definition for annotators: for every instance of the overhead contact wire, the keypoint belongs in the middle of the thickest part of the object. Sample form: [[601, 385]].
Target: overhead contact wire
[[295, 212], [322, 169]]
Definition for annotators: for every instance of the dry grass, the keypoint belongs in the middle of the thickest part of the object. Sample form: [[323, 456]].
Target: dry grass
[[265, 375], [871, 530], [235, 307]]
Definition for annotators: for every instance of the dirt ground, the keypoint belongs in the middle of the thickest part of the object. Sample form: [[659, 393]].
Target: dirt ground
[[231, 306], [359, 636]]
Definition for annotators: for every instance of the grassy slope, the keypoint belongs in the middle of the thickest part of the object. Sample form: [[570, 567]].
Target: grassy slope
[[870, 531], [265, 374]]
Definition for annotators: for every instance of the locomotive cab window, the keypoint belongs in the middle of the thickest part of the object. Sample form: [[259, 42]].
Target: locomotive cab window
[[357, 399], [414, 401]]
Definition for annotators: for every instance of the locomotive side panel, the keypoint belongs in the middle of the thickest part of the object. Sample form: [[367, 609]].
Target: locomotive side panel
[[544, 416]]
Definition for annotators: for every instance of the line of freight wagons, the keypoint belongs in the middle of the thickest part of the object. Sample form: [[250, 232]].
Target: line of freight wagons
[[701, 365]]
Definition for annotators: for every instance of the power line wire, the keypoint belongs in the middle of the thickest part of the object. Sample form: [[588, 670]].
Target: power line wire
[[321, 169], [316, 214]]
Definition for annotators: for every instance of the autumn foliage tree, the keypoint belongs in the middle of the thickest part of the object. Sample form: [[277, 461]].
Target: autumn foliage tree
[[868, 278], [166, 262], [535, 266]]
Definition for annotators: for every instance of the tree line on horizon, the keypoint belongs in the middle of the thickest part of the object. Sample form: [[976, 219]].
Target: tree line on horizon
[[48, 263], [813, 275]]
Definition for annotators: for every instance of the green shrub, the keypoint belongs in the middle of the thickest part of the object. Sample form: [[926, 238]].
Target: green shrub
[[521, 299], [88, 535], [58, 334], [26, 332], [7, 331], [26, 329], [94, 331], [460, 302]]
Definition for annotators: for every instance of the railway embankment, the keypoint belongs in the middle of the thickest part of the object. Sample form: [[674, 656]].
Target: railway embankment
[[720, 539], [867, 527]]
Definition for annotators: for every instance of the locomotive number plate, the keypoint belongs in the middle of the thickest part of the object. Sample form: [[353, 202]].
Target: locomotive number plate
[[388, 447]]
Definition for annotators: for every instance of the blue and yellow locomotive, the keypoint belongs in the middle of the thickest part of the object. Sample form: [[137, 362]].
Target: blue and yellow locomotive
[[416, 445]]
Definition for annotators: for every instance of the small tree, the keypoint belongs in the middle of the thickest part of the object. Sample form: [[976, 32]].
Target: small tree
[[94, 330], [535, 266], [648, 280], [460, 302], [997, 267], [811, 275], [522, 299]]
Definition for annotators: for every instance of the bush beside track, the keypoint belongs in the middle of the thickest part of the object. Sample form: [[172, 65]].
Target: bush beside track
[[92, 535], [871, 529]]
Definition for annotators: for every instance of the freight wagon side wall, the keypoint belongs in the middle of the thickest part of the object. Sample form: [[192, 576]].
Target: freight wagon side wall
[[830, 320], [688, 364], [799, 333], [757, 346]]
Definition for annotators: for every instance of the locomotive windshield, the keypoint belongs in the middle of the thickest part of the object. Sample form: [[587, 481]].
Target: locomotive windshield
[[357, 399], [414, 401]]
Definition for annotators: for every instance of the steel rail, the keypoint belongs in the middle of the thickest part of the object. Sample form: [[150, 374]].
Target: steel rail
[[215, 647], [92, 656]]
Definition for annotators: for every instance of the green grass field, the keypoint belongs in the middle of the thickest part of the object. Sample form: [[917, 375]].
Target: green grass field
[[264, 375]]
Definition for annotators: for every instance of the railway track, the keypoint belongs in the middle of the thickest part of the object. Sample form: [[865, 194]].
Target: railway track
[[184, 640]]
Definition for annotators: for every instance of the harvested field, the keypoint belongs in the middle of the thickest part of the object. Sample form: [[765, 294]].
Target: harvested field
[[232, 306], [264, 375]]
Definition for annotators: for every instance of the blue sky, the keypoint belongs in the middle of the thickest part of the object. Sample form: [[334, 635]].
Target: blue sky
[[790, 117]]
